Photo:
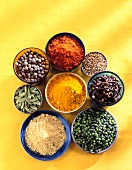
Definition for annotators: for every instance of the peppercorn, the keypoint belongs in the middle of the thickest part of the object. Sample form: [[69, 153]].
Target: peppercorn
[[31, 66]]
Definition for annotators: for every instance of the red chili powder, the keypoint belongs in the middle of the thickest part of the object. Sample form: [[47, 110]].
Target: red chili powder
[[65, 53]]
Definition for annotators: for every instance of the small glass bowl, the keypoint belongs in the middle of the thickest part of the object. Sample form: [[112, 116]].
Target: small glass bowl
[[73, 37], [54, 77], [64, 147], [109, 73], [21, 53], [26, 98], [94, 72], [96, 109]]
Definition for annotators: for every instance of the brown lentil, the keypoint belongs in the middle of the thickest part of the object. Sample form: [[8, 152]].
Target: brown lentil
[[45, 134], [93, 63]]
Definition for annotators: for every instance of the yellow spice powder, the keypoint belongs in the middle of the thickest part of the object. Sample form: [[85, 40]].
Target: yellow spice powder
[[66, 92]]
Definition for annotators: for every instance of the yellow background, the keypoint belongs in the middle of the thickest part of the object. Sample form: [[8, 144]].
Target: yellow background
[[102, 25]]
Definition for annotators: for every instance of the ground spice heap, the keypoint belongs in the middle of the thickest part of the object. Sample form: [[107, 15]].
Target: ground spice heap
[[66, 92], [65, 52], [45, 134]]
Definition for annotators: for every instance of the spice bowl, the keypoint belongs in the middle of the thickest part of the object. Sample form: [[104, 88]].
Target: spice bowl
[[31, 65], [93, 63], [94, 130], [66, 92], [38, 136], [105, 88], [28, 98], [65, 51]]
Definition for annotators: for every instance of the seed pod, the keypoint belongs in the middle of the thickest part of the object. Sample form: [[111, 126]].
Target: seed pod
[[30, 96]]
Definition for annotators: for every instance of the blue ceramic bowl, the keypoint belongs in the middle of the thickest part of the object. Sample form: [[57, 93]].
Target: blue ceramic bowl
[[64, 147], [97, 75]]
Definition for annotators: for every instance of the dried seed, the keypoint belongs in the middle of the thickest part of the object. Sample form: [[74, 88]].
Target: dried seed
[[16, 97], [22, 94], [28, 101], [27, 109], [33, 100], [21, 100], [22, 106], [29, 97], [28, 90], [20, 91], [33, 107], [34, 92], [39, 97], [17, 101]]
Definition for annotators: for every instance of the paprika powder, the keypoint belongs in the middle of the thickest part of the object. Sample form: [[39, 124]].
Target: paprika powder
[[65, 51]]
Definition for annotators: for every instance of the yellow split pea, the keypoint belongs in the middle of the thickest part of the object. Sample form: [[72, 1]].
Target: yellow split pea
[[66, 92]]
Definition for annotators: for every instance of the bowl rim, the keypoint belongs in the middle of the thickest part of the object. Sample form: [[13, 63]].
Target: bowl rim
[[41, 97], [105, 72], [30, 82], [62, 34], [65, 146], [74, 74], [104, 56], [98, 108]]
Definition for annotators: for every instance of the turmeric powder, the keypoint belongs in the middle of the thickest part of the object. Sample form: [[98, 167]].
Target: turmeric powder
[[66, 92]]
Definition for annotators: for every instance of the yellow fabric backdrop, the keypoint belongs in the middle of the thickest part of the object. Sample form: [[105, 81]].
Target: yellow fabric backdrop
[[103, 25]]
